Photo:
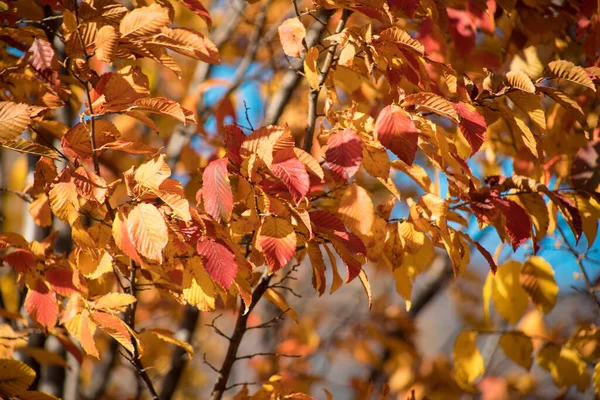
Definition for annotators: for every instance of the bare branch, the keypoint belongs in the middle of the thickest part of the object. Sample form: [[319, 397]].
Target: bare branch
[[216, 329], [249, 356]]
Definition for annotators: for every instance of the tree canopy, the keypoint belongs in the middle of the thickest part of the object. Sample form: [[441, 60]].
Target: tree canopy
[[267, 199]]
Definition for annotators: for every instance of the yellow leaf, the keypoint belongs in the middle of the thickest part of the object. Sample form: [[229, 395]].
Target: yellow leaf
[[518, 347], [198, 288], [530, 104], [568, 71], [84, 332], [565, 366], [311, 69], [509, 297], [403, 284], [375, 159], [152, 173], [520, 80], [487, 296], [15, 377], [167, 336], [356, 210], [596, 379], [63, 200], [44, 357], [114, 301], [148, 231], [366, 285], [537, 278], [416, 173], [281, 303], [468, 362], [336, 278], [171, 192]]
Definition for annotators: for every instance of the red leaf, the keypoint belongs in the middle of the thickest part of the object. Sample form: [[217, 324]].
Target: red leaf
[[472, 125], [408, 7], [216, 190], [61, 281], [22, 260], [344, 154], [234, 137], [277, 240], [567, 206], [199, 10], [287, 167], [219, 261], [397, 132], [322, 219], [41, 305], [462, 30], [518, 223], [486, 254]]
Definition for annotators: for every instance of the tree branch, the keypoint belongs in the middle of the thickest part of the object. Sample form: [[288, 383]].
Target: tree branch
[[313, 95], [236, 339]]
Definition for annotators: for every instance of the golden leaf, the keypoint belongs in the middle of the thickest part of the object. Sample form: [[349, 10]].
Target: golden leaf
[[468, 362], [537, 279], [148, 231], [518, 347], [509, 297]]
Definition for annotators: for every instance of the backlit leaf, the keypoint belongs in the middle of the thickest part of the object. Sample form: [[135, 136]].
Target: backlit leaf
[[198, 289], [216, 190], [468, 362], [356, 209], [219, 261], [277, 240], [291, 34], [565, 366], [27, 147], [41, 304], [537, 278], [15, 377], [518, 347], [291, 171], [344, 154], [520, 80], [472, 125], [431, 102], [148, 231], [509, 297], [14, 119], [144, 21], [568, 71], [397, 132]]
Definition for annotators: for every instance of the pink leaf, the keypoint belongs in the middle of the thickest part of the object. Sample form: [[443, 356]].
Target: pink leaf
[[216, 190], [219, 261], [199, 9], [344, 154], [397, 132]]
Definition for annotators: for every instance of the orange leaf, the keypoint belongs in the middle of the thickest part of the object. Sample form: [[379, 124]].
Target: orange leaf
[[41, 304], [291, 34], [277, 240]]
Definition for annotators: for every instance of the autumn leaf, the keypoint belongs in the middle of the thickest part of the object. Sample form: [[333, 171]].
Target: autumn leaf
[[537, 278], [397, 132], [356, 210], [468, 362], [216, 190], [509, 297], [291, 171], [41, 304], [107, 40], [14, 119], [344, 154], [147, 231], [15, 377], [431, 102], [565, 366], [570, 72], [219, 261], [518, 347], [472, 125], [277, 240], [291, 34], [143, 22]]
